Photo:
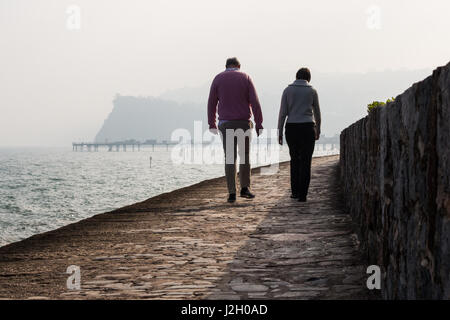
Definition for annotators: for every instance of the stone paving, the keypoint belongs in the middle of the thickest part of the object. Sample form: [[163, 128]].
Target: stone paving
[[192, 244]]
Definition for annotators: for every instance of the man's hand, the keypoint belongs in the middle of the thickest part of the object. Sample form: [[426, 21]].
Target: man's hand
[[214, 131], [280, 140], [259, 131]]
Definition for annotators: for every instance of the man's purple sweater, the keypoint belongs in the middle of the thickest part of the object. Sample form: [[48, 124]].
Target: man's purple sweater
[[234, 97]]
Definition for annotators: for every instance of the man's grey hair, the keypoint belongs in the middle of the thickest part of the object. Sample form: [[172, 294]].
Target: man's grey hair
[[232, 62]]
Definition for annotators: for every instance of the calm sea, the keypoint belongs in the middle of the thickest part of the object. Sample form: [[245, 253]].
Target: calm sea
[[42, 189]]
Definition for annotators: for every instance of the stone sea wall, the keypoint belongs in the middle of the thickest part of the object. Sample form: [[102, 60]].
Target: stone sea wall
[[395, 172]]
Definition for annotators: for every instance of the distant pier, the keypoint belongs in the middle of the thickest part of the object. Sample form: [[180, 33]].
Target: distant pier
[[94, 146], [135, 145], [132, 145]]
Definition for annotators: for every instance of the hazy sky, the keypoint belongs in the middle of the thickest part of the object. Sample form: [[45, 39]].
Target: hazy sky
[[57, 81]]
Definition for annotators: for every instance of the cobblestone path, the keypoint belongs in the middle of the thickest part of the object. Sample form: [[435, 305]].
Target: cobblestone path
[[191, 244]]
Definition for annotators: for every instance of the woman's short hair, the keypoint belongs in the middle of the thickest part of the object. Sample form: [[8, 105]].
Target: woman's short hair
[[304, 74]]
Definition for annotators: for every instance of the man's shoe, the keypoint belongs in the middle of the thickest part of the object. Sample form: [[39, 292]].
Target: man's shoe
[[245, 193], [302, 199], [232, 197], [295, 196]]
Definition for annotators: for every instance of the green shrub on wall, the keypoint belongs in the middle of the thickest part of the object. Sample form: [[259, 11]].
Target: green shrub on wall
[[377, 104]]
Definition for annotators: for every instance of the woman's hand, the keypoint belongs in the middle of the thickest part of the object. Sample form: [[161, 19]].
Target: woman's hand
[[317, 133]]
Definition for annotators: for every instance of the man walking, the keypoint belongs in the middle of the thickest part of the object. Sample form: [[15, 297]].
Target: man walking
[[233, 97]]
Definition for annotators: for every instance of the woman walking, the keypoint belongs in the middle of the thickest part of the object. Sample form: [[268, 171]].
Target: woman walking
[[300, 105]]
